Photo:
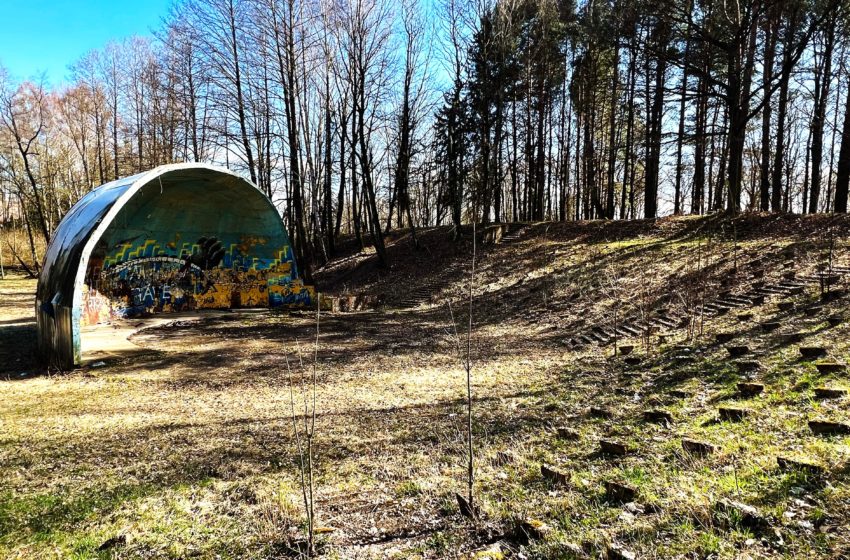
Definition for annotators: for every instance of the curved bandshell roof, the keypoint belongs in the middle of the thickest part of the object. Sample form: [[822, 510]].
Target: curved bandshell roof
[[58, 297]]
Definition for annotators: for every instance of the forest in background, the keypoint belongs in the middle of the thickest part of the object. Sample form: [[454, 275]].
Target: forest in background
[[362, 116]]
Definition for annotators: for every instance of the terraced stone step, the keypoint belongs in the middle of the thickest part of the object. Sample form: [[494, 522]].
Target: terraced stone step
[[739, 300], [629, 330], [748, 366], [812, 352], [830, 367], [746, 515], [666, 322], [698, 448], [830, 392], [732, 414], [611, 447], [620, 492], [834, 320], [738, 350], [626, 349], [724, 337], [599, 412], [750, 389], [791, 464], [658, 415], [829, 428], [793, 338], [554, 475]]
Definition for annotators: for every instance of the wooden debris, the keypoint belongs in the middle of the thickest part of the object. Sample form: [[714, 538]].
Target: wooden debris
[[750, 389], [695, 447]]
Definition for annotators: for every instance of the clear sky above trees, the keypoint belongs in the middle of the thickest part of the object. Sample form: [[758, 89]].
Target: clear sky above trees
[[47, 35]]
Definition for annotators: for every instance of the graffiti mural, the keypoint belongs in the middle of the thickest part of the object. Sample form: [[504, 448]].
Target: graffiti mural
[[134, 278]]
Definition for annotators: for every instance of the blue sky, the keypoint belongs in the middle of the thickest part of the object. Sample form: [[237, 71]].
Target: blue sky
[[48, 35]]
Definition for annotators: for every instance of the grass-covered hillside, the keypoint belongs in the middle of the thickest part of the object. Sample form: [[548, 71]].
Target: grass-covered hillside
[[674, 389]]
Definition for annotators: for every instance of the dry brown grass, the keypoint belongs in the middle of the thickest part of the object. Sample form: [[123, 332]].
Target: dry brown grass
[[187, 450]]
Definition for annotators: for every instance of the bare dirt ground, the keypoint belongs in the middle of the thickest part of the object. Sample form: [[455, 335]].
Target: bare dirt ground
[[187, 450]]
